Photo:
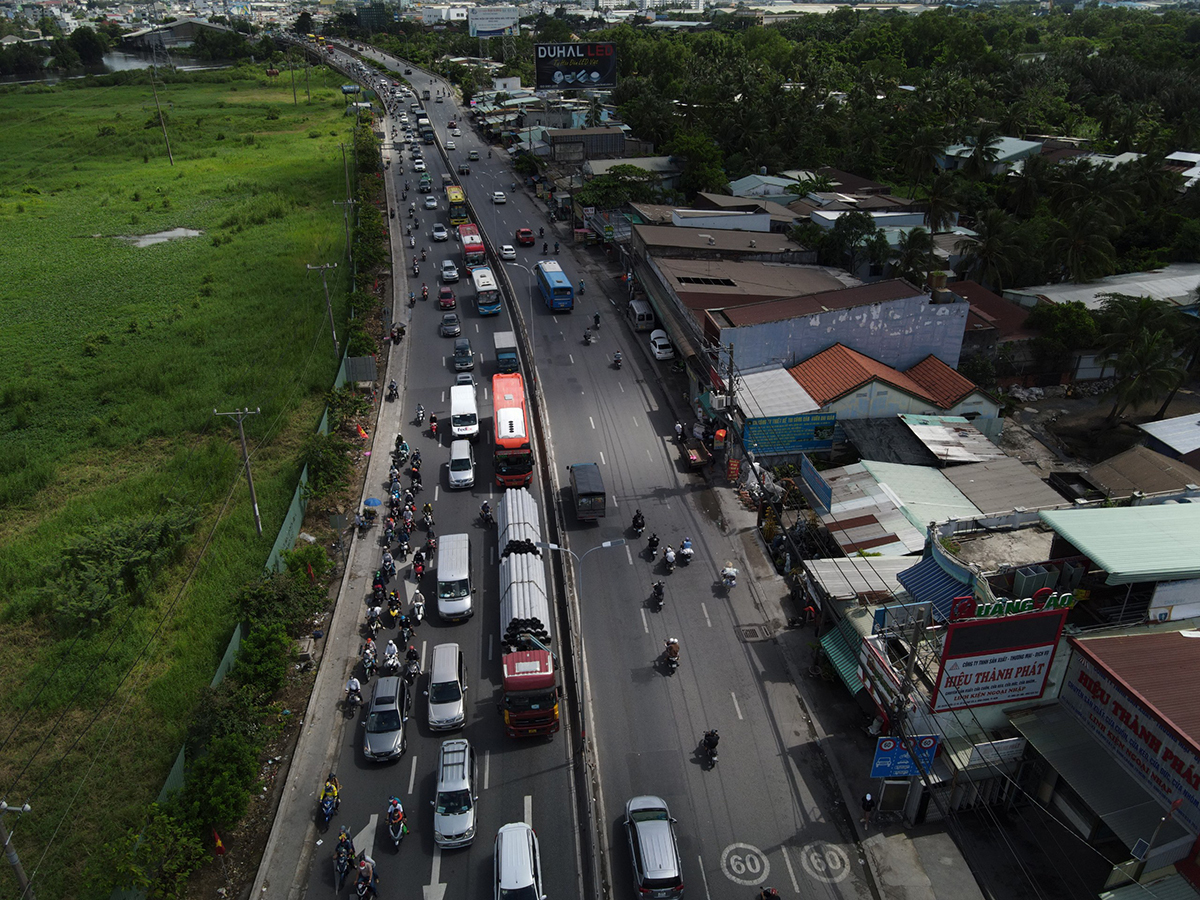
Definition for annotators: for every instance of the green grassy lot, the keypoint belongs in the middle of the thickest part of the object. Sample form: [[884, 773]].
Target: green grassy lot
[[112, 359]]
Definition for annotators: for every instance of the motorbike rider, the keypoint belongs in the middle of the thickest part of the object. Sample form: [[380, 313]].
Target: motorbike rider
[[596, 317], [671, 649], [658, 589], [395, 813], [652, 543], [366, 875], [353, 687], [485, 509], [711, 738], [587, 335], [556, 246], [424, 291], [617, 359], [545, 248], [331, 790], [685, 549], [669, 556], [391, 651], [373, 615], [412, 654], [423, 254], [639, 521], [581, 290], [345, 843], [678, 430], [541, 232], [393, 387]]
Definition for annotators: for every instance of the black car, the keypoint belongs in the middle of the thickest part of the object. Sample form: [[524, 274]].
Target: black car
[[464, 358], [408, 71]]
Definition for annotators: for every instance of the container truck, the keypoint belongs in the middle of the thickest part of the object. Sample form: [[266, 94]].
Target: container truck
[[506, 351], [529, 684]]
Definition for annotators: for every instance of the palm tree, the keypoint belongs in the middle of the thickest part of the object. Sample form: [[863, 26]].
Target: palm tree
[[1083, 244], [919, 152], [912, 255], [984, 150], [992, 255], [1122, 315], [1146, 367], [941, 206], [1186, 330], [594, 114], [1028, 186]]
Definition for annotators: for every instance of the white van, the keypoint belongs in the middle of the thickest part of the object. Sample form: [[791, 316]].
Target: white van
[[462, 465], [464, 414], [454, 588], [641, 316]]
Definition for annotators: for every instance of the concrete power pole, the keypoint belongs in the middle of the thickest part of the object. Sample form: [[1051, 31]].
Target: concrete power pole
[[11, 852], [240, 414], [337, 350]]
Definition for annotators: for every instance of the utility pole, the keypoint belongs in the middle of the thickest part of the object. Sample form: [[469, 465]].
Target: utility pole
[[240, 414], [346, 207], [337, 350], [11, 852], [292, 72]]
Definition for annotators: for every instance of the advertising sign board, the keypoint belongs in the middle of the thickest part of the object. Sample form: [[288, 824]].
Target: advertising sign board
[[790, 434], [1164, 765], [996, 660], [492, 21], [564, 67], [893, 758]]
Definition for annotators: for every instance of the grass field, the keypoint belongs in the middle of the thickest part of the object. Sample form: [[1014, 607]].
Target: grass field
[[112, 360]]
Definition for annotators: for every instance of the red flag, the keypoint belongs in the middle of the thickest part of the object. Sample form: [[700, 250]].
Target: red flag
[[219, 849], [362, 433], [312, 576]]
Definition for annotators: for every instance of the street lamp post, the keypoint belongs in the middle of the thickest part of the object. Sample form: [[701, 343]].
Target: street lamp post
[[577, 632], [529, 326]]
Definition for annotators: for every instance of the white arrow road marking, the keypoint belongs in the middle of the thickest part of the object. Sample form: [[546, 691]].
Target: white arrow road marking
[[435, 890]]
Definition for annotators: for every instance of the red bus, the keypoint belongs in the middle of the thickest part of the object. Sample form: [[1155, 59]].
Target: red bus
[[514, 453], [474, 253]]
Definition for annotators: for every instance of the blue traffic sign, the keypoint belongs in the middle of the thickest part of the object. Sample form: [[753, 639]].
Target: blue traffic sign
[[893, 759]]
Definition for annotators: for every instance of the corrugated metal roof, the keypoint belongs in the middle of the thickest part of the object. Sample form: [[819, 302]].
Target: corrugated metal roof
[[1136, 543], [1173, 887], [925, 495], [848, 579], [1177, 284], [1161, 670], [1095, 775], [841, 644], [1181, 434], [952, 439], [773, 392], [928, 582], [1141, 469], [863, 516], [1001, 485]]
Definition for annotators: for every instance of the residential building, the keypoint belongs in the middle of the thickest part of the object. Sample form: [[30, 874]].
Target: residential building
[[1177, 438], [1008, 152]]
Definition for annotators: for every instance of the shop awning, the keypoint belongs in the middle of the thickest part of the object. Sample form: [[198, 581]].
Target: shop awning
[[841, 646], [927, 582], [1096, 776]]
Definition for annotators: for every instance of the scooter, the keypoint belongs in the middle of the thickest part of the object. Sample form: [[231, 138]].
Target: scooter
[[393, 212], [587, 337], [343, 857], [412, 671], [652, 546], [420, 420], [710, 746], [617, 360], [685, 554], [328, 808], [417, 611], [671, 661], [393, 392], [729, 576], [658, 595], [669, 556], [391, 666], [396, 822]]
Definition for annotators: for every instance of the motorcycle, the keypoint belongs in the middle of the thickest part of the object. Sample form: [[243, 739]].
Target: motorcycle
[[416, 269], [412, 671], [394, 606], [391, 666], [373, 625], [545, 249], [418, 569], [406, 634], [420, 420], [417, 611], [393, 211], [370, 664], [658, 595], [343, 857], [669, 556], [352, 703], [617, 360], [422, 254], [639, 525], [364, 887], [412, 299], [652, 546], [729, 576], [587, 337], [396, 822], [393, 392], [685, 553], [556, 247], [710, 746], [402, 550], [412, 242], [486, 517], [670, 659], [328, 808], [581, 286]]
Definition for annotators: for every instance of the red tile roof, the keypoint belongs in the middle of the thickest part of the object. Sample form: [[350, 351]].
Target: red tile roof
[[1160, 670], [989, 308], [940, 382], [835, 372]]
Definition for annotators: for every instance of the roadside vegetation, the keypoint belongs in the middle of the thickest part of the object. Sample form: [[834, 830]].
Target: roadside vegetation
[[127, 545]]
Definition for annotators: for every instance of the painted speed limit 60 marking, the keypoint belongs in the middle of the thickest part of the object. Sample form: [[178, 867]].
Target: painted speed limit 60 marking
[[825, 862], [745, 864]]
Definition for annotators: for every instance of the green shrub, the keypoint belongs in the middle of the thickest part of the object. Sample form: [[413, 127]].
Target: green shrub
[[263, 658], [329, 465], [156, 861], [308, 558], [219, 783], [281, 598]]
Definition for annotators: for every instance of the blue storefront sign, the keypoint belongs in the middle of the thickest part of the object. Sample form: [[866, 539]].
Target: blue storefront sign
[[790, 434], [893, 760]]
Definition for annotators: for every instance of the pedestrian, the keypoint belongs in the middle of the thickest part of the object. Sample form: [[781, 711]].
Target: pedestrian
[[868, 808]]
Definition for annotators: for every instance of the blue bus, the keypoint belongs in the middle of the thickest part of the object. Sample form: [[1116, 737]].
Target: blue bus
[[555, 286]]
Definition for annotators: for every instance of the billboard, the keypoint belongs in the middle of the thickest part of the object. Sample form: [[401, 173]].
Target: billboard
[[564, 67], [1167, 767], [997, 660], [491, 21], [790, 434]]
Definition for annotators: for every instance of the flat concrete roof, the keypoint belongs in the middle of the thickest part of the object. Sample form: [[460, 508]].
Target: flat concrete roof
[[722, 283], [715, 239]]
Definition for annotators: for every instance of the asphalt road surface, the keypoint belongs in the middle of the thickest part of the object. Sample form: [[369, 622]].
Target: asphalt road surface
[[766, 815]]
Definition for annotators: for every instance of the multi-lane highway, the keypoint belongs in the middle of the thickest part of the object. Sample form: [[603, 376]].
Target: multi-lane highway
[[761, 816]]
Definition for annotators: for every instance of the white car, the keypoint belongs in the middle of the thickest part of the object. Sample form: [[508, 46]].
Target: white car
[[660, 345], [457, 132], [450, 145], [419, 165], [498, 197], [508, 251], [517, 865], [431, 202], [449, 271], [440, 233]]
